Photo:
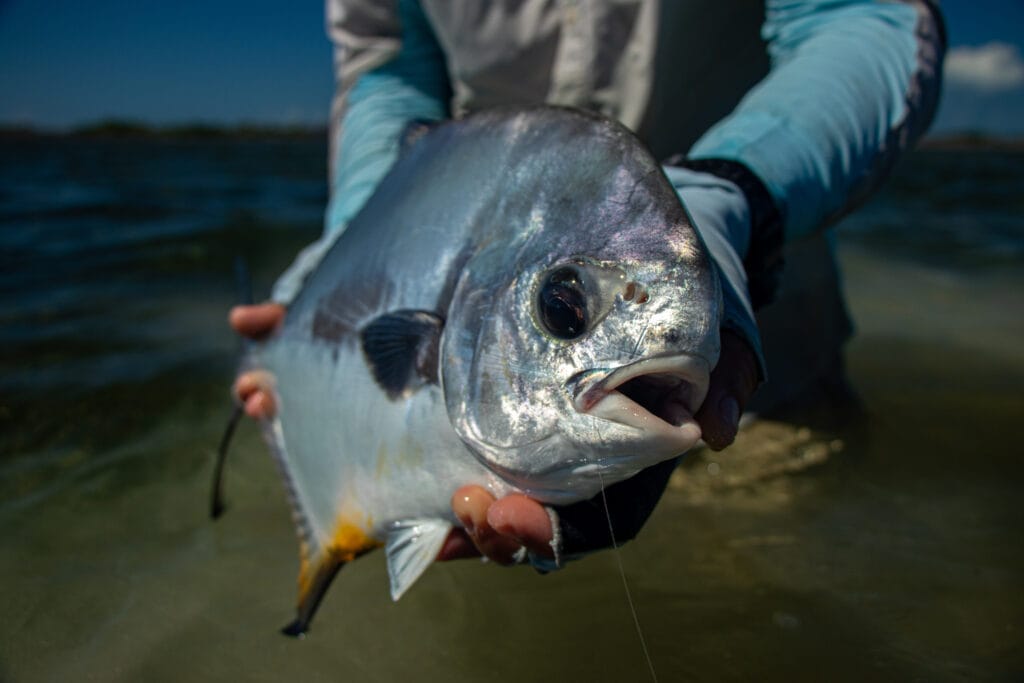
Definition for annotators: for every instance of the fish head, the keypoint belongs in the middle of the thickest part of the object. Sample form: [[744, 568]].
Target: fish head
[[577, 352]]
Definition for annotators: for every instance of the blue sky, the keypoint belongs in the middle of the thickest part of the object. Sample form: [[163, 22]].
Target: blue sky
[[65, 62]]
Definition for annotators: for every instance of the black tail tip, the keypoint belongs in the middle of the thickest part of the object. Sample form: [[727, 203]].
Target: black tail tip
[[216, 510], [296, 629]]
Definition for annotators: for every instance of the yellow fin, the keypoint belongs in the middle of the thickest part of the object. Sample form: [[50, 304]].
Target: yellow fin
[[349, 541]]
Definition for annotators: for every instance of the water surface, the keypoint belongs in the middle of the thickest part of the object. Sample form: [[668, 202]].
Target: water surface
[[888, 549]]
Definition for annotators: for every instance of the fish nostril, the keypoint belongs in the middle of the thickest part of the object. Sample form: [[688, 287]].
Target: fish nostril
[[635, 293], [672, 336]]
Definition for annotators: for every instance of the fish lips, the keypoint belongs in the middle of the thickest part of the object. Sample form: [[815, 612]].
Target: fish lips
[[635, 416], [658, 397]]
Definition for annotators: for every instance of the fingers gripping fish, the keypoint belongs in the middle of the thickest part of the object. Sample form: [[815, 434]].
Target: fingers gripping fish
[[523, 304]]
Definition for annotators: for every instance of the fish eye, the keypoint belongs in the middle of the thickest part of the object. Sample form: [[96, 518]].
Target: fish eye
[[562, 304]]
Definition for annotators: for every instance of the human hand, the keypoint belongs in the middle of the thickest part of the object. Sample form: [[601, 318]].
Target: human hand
[[494, 528], [251, 388], [497, 529]]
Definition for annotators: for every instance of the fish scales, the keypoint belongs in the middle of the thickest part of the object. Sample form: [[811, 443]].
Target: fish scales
[[522, 304]]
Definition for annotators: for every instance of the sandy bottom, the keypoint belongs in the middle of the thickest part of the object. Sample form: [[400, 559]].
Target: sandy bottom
[[885, 550]]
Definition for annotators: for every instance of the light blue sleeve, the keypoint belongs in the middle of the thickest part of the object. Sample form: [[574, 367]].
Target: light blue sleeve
[[852, 84], [381, 104], [411, 86]]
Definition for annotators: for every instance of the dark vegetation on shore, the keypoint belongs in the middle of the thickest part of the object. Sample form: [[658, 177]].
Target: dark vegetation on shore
[[972, 140], [128, 129]]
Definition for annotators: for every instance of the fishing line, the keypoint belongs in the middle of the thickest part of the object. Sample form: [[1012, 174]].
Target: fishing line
[[625, 584]]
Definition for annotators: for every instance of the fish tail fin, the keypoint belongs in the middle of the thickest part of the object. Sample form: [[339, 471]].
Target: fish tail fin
[[243, 283]]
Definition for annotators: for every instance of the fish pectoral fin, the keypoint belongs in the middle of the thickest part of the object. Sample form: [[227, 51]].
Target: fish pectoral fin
[[412, 545], [402, 349]]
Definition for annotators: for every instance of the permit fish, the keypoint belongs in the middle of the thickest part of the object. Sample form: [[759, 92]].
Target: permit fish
[[522, 304]]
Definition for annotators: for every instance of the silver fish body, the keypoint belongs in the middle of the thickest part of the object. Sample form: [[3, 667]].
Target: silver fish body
[[522, 304]]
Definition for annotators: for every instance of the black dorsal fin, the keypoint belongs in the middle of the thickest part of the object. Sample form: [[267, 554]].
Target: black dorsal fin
[[402, 350]]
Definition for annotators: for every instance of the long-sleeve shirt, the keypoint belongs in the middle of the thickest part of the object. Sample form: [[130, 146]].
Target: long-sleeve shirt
[[816, 97]]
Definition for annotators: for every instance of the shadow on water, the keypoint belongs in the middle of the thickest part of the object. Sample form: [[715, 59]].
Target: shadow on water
[[883, 549]]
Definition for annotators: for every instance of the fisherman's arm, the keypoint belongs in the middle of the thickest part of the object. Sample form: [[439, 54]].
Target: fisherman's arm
[[852, 85], [390, 72], [816, 133]]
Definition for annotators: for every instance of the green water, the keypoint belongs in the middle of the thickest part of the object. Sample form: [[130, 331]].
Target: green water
[[892, 554]]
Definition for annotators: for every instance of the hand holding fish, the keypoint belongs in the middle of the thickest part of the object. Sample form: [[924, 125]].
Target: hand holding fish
[[255, 322], [497, 529], [550, 345], [494, 529]]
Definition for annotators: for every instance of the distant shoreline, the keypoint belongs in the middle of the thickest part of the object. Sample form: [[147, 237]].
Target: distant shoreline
[[127, 129], [972, 141], [123, 129]]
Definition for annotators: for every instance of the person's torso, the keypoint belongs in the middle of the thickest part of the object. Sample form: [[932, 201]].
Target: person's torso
[[668, 70]]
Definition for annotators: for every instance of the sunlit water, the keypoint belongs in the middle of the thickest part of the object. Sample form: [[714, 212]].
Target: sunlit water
[[887, 550]]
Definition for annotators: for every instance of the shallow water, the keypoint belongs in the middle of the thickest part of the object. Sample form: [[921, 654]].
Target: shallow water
[[886, 550]]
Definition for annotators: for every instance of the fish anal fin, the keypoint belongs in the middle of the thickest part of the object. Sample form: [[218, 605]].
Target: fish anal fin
[[411, 547], [313, 584], [401, 348], [316, 572]]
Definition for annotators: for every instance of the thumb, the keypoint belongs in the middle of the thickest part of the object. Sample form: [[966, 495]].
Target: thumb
[[733, 381]]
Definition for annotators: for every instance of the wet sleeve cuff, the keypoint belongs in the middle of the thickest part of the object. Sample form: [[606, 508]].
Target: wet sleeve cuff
[[588, 525]]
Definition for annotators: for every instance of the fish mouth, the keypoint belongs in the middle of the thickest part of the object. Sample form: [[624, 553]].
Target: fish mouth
[[658, 396]]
